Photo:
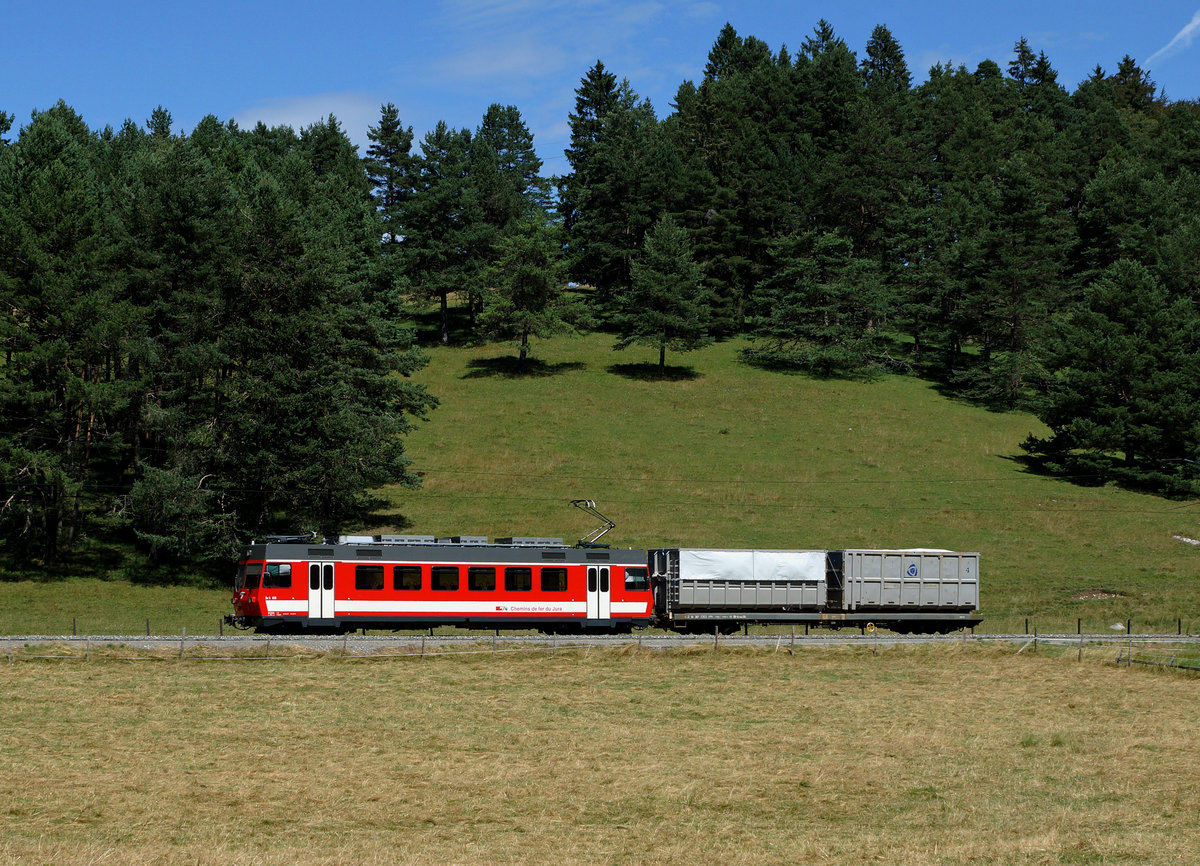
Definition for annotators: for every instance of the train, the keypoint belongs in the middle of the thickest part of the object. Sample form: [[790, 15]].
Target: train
[[306, 585]]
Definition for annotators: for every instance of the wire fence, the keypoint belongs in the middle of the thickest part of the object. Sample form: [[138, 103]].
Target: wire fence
[[201, 649], [1158, 651], [1186, 661], [1179, 626]]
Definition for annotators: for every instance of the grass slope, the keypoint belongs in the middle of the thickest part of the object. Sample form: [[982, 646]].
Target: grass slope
[[718, 454], [724, 455]]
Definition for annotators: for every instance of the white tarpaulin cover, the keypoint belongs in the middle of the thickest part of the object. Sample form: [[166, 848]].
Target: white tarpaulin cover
[[765, 565]]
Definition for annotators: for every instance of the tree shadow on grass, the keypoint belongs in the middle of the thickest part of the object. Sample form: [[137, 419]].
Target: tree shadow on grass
[[1169, 480], [381, 519], [90, 558], [654, 373], [510, 367]]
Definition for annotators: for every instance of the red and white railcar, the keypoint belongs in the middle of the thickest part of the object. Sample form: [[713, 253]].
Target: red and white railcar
[[401, 582]]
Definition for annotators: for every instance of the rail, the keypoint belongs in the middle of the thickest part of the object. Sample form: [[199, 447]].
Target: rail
[[363, 647]]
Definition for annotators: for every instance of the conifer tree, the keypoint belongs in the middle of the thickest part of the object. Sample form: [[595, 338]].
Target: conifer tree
[[446, 230], [667, 305], [525, 296], [392, 171], [62, 322], [507, 168], [1124, 400], [884, 69], [613, 194], [194, 354], [820, 309]]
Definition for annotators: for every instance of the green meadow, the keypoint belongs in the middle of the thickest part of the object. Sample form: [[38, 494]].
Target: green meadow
[[719, 454]]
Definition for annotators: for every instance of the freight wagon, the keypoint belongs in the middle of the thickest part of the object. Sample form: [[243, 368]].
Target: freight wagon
[[914, 590]]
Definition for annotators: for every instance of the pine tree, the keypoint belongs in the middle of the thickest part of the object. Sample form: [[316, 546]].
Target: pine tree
[[819, 309], [392, 171], [1126, 380], [526, 296], [884, 69], [62, 326], [595, 97], [296, 411], [507, 168], [667, 305], [742, 140], [614, 192], [1134, 89], [1022, 254], [446, 231], [194, 354]]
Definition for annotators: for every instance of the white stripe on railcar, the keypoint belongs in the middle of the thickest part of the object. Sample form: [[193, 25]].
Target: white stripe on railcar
[[283, 607], [351, 606]]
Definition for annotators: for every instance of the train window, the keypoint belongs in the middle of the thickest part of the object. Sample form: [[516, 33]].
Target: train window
[[368, 577], [554, 580], [518, 579], [443, 578], [481, 578], [406, 578], [636, 579], [277, 576], [250, 575]]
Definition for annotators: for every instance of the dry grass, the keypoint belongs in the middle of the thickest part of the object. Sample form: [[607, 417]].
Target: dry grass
[[914, 755]]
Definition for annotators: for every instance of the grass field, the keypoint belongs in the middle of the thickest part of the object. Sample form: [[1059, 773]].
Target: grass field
[[724, 455], [912, 756], [719, 454]]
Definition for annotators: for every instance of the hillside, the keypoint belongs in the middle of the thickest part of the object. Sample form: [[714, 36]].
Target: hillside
[[724, 455], [720, 454]]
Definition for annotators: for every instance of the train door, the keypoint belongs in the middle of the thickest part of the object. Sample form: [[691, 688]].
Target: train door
[[320, 590], [599, 597]]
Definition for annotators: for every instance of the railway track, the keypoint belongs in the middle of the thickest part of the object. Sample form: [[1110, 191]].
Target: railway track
[[360, 644]]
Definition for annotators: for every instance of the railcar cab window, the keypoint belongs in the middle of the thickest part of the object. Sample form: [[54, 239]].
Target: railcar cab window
[[636, 578], [554, 579], [443, 578], [368, 577], [249, 575], [518, 579], [406, 578], [278, 575], [481, 578]]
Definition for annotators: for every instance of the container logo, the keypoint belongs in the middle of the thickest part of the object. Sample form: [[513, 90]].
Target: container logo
[[911, 571]]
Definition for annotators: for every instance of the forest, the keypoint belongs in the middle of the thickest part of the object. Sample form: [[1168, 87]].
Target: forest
[[209, 335]]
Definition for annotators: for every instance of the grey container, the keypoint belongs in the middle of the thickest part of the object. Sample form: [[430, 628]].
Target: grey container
[[914, 578], [750, 579]]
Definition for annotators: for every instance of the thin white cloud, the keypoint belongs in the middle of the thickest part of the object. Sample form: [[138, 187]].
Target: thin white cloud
[[519, 58], [1182, 40], [526, 39], [355, 112]]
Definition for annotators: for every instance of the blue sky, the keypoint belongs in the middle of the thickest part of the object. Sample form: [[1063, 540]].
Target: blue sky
[[295, 62]]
